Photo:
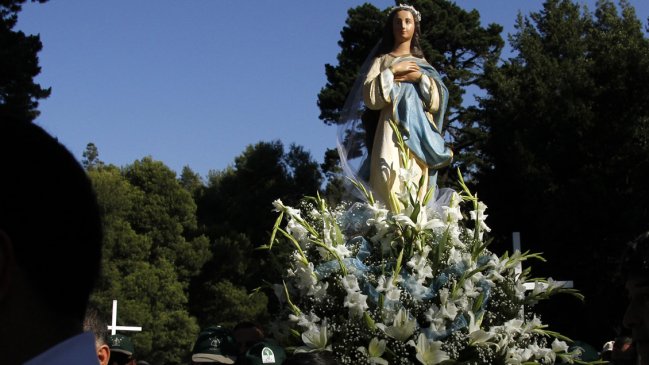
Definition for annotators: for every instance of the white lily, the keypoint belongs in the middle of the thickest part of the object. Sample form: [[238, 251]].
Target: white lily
[[436, 319], [306, 321], [548, 356], [350, 283], [379, 212], [447, 308], [470, 290], [374, 352], [479, 216], [452, 214], [476, 334], [419, 263], [357, 304], [559, 346], [319, 290], [342, 251], [279, 206], [304, 274], [386, 285], [429, 352], [298, 231], [514, 357], [422, 222], [315, 339], [532, 325], [513, 326], [354, 300], [402, 327], [454, 256]]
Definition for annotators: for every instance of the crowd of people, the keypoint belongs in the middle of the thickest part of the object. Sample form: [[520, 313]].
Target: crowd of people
[[50, 256], [245, 344]]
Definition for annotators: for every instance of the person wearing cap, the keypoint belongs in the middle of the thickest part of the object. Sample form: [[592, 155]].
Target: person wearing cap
[[50, 250], [636, 317], [247, 334], [121, 350], [254, 348], [624, 352], [607, 351], [265, 352], [214, 345]]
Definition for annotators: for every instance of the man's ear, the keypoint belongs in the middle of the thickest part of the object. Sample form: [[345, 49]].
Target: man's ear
[[103, 353], [7, 261]]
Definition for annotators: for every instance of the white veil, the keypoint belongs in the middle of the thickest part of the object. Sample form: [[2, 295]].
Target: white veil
[[351, 136]]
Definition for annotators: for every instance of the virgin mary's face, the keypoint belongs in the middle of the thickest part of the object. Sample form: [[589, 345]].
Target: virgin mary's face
[[403, 26]]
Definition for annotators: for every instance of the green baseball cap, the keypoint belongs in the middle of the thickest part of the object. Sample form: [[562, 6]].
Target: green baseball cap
[[121, 343], [216, 345], [265, 352]]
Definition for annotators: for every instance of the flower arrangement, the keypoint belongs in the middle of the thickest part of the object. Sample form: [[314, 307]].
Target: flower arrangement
[[413, 286]]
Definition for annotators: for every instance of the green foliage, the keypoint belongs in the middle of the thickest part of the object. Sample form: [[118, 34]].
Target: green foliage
[[151, 250], [335, 188], [362, 30], [239, 198], [230, 254], [154, 247], [154, 299], [19, 94], [230, 304], [567, 155], [191, 181], [235, 211], [114, 193], [453, 41], [165, 212], [91, 157]]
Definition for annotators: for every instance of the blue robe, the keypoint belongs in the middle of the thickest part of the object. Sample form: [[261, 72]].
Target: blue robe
[[418, 109], [422, 136]]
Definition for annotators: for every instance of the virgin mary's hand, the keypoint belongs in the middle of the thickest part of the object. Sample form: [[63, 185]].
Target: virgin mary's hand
[[413, 76], [404, 67]]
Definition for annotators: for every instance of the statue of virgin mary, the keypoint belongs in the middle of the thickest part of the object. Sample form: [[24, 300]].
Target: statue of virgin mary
[[395, 147]]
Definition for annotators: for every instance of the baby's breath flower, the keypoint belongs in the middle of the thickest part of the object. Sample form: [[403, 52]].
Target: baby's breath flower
[[417, 285]]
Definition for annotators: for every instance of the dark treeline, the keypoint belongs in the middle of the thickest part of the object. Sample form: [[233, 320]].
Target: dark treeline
[[556, 146], [566, 157]]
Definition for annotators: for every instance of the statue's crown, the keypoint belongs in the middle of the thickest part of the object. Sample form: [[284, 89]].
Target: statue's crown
[[410, 8]]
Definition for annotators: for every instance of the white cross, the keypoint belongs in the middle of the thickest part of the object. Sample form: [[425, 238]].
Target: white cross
[[516, 239], [114, 327]]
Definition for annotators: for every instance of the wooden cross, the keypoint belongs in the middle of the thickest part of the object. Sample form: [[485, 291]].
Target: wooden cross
[[114, 327], [516, 239]]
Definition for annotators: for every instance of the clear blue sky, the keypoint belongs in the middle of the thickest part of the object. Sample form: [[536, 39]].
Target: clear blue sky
[[195, 82]]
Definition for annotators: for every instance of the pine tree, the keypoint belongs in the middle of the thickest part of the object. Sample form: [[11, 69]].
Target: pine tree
[[567, 153], [19, 94]]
